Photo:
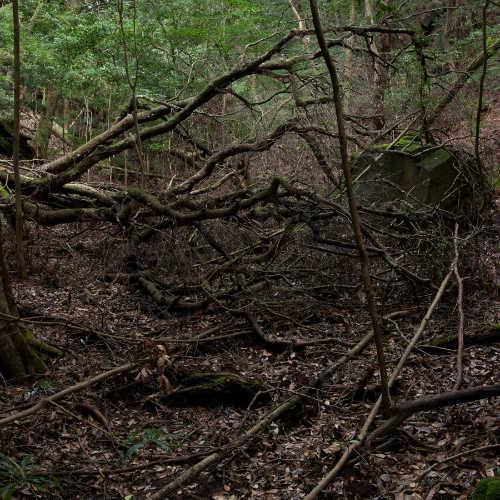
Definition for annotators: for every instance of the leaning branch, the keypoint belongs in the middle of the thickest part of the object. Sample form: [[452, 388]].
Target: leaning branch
[[461, 81], [71, 166], [217, 158], [202, 214]]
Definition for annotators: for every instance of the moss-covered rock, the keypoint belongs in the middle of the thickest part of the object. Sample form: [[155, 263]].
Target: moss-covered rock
[[487, 489], [409, 143], [420, 177]]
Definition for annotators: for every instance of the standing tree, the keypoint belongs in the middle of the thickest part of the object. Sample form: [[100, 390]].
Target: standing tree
[[45, 124], [356, 224], [15, 147], [17, 357]]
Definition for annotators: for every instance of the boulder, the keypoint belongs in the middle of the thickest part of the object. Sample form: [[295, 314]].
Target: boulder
[[422, 178]]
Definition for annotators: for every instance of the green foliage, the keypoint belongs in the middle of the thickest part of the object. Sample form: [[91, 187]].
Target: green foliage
[[491, 41], [158, 146], [181, 44], [25, 475], [4, 193], [157, 437], [79, 51], [47, 387], [487, 489], [384, 10]]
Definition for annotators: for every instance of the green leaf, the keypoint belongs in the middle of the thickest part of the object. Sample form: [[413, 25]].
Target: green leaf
[[10, 467], [164, 446], [7, 491], [133, 449]]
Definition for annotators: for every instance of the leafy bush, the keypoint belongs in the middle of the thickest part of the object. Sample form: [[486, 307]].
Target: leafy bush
[[138, 440], [22, 476]]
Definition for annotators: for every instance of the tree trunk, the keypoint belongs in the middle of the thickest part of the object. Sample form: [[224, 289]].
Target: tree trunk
[[302, 26], [44, 129], [381, 74], [349, 73], [17, 358], [21, 264], [445, 38]]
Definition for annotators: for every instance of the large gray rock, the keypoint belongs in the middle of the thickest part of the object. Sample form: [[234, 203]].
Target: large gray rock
[[436, 176]]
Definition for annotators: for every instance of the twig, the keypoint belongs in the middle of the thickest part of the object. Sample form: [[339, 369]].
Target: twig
[[77, 417], [160, 461], [274, 345], [95, 412], [53, 320], [458, 455], [65, 392], [200, 340], [460, 303]]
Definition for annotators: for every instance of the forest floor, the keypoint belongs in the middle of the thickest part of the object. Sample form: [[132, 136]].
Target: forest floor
[[120, 439]]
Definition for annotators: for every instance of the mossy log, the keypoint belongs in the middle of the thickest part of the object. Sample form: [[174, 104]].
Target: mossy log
[[215, 388], [442, 345]]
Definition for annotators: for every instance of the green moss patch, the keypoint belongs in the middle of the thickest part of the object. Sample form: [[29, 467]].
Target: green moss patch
[[487, 489]]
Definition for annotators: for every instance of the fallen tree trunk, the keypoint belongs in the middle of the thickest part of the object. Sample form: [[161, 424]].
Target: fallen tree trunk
[[442, 345], [214, 388], [407, 409]]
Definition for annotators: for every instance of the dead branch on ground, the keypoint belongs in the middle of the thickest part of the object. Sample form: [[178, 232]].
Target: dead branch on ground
[[69, 390], [406, 410]]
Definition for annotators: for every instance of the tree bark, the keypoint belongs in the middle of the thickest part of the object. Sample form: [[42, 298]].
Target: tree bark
[[381, 75], [349, 65], [44, 129], [356, 225], [21, 264], [17, 358]]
